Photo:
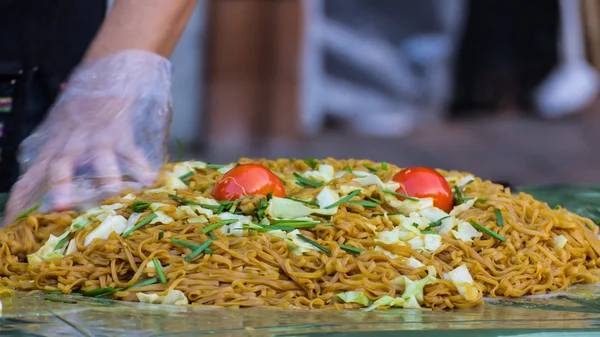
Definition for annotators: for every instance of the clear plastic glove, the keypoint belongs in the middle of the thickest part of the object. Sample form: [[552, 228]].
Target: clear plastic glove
[[107, 131]]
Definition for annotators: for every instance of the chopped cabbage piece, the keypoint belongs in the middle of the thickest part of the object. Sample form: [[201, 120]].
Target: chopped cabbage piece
[[235, 228], [327, 197], [71, 248], [354, 297], [325, 173], [561, 241], [417, 243], [387, 301], [133, 219], [415, 263], [462, 207], [466, 232], [156, 205], [282, 208], [461, 278], [297, 245], [207, 201], [161, 217], [386, 252], [173, 297], [48, 250], [129, 197], [112, 223], [369, 179], [408, 206], [432, 242], [413, 290], [197, 219], [80, 222]]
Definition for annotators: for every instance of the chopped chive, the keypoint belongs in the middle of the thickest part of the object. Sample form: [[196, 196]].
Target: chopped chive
[[307, 202], [212, 236], [438, 222], [185, 243], [488, 231], [140, 224], [101, 292], [372, 169], [384, 166], [300, 180], [198, 250], [262, 207], [366, 204], [375, 200], [215, 166], [190, 202], [499, 218], [344, 199], [351, 249], [234, 207], [28, 211], [139, 206], [268, 228], [217, 225], [300, 223], [59, 300], [62, 242], [348, 169], [159, 271], [384, 190], [311, 162], [557, 207], [468, 182], [388, 214], [458, 195], [293, 221], [180, 149], [318, 246], [161, 235], [429, 232], [144, 283], [208, 251], [186, 176]]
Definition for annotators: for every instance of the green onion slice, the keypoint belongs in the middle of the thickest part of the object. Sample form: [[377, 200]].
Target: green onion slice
[[28, 211], [62, 242], [488, 231], [384, 166], [198, 250], [344, 199], [140, 224], [499, 218], [185, 243], [144, 283], [366, 204], [217, 225], [384, 190], [307, 202], [303, 182], [372, 169], [190, 202], [159, 270], [438, 222], [318, 246], [311, 162], [161, 235], [351, 249], [139, 206], [215, 166]]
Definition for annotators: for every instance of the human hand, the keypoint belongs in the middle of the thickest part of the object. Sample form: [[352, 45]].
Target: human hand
[[106, 132]]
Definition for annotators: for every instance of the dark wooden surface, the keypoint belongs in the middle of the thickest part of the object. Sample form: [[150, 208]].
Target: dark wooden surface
[[520, 150]]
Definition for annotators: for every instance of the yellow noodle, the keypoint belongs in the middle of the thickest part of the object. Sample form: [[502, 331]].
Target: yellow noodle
[[259, 270]]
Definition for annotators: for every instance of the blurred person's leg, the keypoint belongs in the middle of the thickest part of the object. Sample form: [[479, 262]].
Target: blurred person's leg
[[41, 41]]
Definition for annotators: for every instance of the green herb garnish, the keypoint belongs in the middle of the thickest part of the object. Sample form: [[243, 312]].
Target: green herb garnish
[[459, 197], [185, 243], [217, 225], [488, 231], [311, 162], [499, 218], [365, 204], [159, 270], [186, 176], [344, 199], [307, 202], [198, 250], [384, 190], [262, 207], [180, 149], [62, 242], [267, 228], [375, 200], [144, 283], [316, 245], [28, 211], [429, 232], [306, 183], [212, 236], [384, 166], [351, 249], [372, 169], [140, 224], [139, 206], [557, 207], [301, 223], [438, 222], [100, 292], [388, 214], [215, 166], [161, 235], [190, 202], [348, 169], [234, 207]]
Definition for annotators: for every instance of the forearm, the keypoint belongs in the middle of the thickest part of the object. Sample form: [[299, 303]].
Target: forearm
[[150, 25]]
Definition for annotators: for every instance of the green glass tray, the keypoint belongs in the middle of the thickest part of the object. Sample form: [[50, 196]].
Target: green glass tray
[[574, 313]]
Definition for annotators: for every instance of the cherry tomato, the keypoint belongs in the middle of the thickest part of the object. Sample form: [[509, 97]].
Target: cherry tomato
[[423, 182], [248, 179]]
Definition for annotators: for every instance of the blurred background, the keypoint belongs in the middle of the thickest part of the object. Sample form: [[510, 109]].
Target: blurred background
[[505, 89]]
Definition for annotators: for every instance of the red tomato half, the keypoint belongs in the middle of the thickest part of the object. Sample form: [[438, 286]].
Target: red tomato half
[[423, 182], [248, 179]]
